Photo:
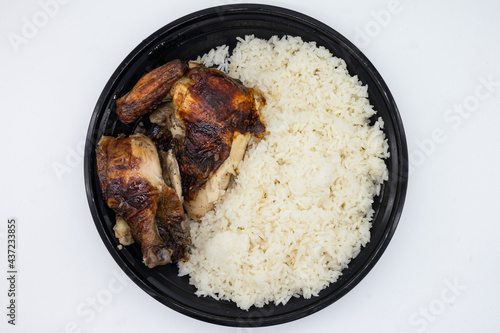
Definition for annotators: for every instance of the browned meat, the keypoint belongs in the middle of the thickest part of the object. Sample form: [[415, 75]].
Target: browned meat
[[149, 91], [131, 181], [173, 226], [214, 109], [213, 97]]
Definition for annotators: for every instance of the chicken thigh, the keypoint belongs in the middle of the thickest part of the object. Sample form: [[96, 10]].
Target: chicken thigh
[[130, 178], [212, 118]]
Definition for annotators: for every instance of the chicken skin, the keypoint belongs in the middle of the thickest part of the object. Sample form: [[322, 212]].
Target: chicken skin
[[131, 181], [149, 91], [214, 109]]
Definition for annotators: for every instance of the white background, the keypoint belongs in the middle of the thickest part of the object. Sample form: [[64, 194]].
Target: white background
[[439, 274]]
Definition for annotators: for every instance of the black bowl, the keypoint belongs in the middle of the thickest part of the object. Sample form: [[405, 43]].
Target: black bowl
[[194, 35]]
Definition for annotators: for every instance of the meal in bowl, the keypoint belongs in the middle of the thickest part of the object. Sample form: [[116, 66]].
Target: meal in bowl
[[294, 205]]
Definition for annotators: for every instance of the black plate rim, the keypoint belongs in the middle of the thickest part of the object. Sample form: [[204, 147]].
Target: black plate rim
[[402, 171]]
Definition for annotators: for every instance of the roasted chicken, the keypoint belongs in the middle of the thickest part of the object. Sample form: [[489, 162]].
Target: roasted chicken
[[211, 118], [149, 91], [148, 211], [219, 116]]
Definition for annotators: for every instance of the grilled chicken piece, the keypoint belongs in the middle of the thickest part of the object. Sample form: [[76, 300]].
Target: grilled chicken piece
[[149, 91], [130, 178], [211, 117]]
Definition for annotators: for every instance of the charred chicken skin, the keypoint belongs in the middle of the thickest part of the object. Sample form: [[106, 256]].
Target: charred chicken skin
[[211, 118], [215, 110], [132, 184]]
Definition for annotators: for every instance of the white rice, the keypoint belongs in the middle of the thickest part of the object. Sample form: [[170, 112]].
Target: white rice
[[301, 205], [216, 57]]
